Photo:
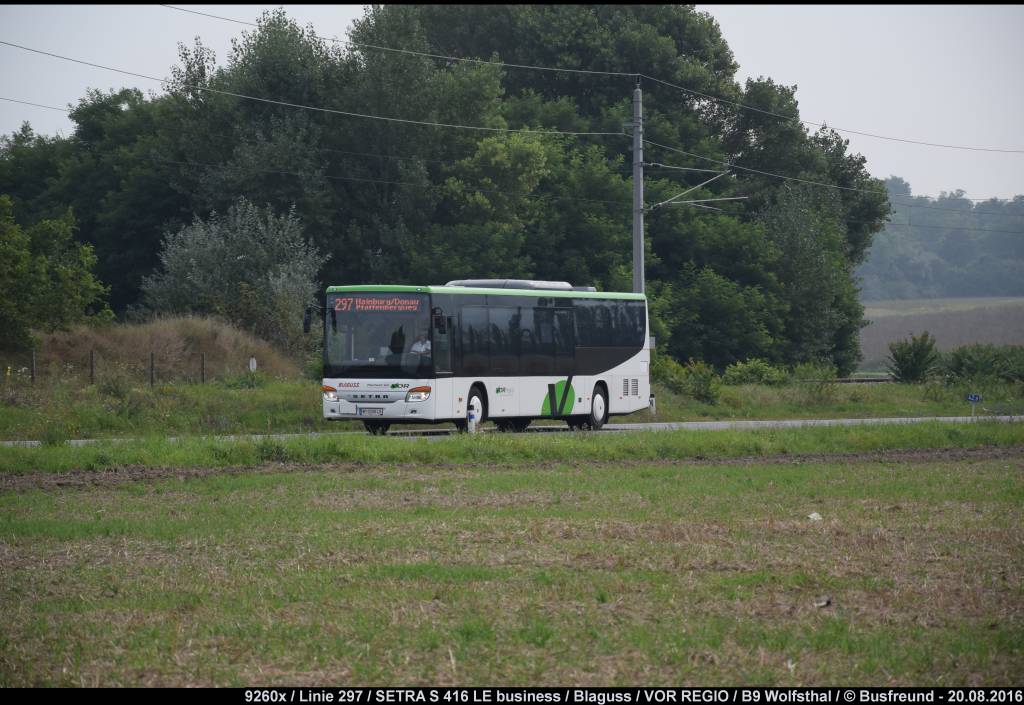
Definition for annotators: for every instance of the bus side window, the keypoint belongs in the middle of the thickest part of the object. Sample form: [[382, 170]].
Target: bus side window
[[537, 347], [476, 354], [505, 338], [564, 341], [441, 350]]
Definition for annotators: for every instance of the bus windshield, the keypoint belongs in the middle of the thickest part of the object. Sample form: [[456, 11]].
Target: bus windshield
[[377, 335]]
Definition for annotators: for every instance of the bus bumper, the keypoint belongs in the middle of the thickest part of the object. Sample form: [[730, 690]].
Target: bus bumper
[[399, 410]]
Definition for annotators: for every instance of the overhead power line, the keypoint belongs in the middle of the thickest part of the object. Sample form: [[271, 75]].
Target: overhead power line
[[707, 96], [953, 228], [820, 183], [37, 105], [957, 210], [763, 173], [648, 164], [308, 107], [822, 124], [363, 45], [382, 181]]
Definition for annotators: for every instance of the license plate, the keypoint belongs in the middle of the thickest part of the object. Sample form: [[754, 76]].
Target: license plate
[[371, 411]]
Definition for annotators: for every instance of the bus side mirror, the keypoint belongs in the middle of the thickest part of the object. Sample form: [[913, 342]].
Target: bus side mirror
[[307, 319], [439, 320]]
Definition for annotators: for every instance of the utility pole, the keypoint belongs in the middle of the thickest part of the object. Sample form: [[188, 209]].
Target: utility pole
[[638, 190]]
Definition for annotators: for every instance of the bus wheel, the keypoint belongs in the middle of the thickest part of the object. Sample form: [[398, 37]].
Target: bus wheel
[[377, 428], [598, 409], [512, 425], [478, 400]]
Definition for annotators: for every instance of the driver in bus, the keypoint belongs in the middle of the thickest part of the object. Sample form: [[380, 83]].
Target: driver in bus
[[421, 346]]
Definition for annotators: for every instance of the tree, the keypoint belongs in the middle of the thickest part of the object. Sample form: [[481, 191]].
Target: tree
[[46, 278], [823, 314], [946, 247], [405, 202], [250, 266]]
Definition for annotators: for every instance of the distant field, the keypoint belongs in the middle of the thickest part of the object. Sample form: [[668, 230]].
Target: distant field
[[953, 322], [597, 572]]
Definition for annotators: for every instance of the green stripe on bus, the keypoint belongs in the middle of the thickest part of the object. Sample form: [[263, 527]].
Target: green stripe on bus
[[465, 291]]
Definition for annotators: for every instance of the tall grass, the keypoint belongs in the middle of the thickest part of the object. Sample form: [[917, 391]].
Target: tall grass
[[122, 352]]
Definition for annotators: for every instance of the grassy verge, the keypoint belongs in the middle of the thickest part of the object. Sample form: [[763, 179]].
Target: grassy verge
[[258, 405], [660, 574], [515, 449]]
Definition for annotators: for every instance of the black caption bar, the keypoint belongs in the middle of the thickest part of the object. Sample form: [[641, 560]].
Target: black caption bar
[[621, 696]]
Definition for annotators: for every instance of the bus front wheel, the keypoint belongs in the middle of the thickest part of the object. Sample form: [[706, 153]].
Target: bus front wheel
[[478, 400]]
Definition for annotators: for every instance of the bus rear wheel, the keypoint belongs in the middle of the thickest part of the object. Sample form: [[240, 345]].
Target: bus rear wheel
[[377, 428], [598, 413], [598, 409], [512, 425]]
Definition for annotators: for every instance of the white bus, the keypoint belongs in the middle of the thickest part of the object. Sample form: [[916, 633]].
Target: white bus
[[513, 350]]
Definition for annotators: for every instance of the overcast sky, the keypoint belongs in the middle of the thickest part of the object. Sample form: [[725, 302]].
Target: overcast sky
[[945, 74]]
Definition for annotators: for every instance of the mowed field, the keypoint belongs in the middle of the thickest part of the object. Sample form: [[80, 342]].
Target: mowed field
[[952, 322], [654, 558]]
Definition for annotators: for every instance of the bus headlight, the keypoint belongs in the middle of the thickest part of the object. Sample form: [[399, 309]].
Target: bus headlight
[[418, 394], [330, 393]]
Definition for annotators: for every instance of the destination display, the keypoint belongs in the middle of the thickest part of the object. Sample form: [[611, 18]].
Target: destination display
[[378, 304]]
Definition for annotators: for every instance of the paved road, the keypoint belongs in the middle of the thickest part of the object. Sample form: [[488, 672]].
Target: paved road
[[612, 427]]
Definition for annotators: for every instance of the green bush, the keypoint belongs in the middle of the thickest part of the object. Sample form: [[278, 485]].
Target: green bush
[[814, 371], [246, 380], [981, 362], [817, 380], [116, 386], [753, 371], [668, 373], [695, 379], [313, 365], [700, 382], [913, 360]]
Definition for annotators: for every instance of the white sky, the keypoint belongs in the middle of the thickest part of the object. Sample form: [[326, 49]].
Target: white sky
[[949, 74]]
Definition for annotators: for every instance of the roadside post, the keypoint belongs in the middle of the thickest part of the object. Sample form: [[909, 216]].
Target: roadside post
[[471, 418], [974, 399]]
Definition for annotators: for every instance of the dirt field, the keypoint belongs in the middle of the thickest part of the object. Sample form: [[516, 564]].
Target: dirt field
[[953, 322], [602, 573]]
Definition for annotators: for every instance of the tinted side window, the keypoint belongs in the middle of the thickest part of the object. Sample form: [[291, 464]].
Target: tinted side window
[[505, 340], [475, 341], [594, 324], [564, 341], [637, 314], [536, 341]]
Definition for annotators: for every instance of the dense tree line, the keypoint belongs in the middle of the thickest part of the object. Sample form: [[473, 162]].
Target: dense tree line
[[946, 247], [769, 277]]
